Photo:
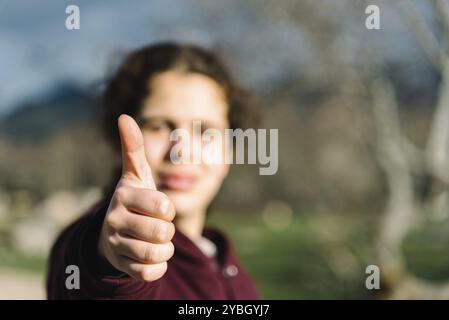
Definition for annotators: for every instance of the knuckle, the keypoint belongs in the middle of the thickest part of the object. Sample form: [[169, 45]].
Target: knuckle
[[113, 241], [172, 249], [111, 221], [163, 269], [152, 273], [120, 194], [169, 251], [160, 231], [162, 203], [147, 274], [171, 230], [150, 254]]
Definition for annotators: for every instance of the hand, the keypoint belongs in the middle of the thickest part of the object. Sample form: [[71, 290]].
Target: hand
[[137, 230]]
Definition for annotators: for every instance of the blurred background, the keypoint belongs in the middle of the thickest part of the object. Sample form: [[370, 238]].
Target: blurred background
[[363, 119]]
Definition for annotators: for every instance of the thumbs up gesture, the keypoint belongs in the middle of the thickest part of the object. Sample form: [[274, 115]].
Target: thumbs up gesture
[[137, 229]]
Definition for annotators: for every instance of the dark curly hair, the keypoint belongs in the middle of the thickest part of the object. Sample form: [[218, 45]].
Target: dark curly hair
[[128, 86]]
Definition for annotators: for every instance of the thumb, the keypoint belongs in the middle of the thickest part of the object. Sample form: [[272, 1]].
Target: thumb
[[134, 162]]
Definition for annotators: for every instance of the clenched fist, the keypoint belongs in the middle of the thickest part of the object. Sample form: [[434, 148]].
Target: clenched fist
[[137, 230]]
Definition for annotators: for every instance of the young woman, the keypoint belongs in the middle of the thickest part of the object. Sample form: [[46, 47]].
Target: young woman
[[147, 239]]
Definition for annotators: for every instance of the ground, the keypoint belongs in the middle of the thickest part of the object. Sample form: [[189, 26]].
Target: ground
[[21, 284]]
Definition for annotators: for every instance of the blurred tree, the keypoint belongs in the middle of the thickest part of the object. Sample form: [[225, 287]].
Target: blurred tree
[[418, 178]]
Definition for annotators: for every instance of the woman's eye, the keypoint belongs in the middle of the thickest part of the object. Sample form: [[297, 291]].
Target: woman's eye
[[206, 133], [156, 126], [212, 131], [211, 135]]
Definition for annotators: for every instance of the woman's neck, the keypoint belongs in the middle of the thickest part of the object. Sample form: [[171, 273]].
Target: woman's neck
[[191, 225]]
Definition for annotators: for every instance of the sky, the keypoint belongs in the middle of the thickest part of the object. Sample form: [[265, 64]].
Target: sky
[[37, 51]]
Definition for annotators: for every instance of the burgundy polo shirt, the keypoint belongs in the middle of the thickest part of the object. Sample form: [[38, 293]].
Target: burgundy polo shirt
[[190, 273]]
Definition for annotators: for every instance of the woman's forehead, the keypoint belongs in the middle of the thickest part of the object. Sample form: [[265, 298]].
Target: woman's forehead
[[185, 97]]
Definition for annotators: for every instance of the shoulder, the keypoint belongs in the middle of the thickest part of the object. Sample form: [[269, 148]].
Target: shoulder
[[76, 229], [66, 249]]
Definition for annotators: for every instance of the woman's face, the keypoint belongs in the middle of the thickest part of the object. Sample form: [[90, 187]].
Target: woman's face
[[177, 99]]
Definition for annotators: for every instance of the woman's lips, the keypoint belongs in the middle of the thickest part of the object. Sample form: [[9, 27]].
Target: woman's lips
[[176, 181]]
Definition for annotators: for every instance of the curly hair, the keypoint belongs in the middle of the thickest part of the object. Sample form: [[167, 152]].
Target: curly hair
[[128, 86]]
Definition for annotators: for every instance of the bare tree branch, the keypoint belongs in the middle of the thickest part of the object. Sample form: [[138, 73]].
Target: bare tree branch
[[403, 208], [423, 34], [400, 213], [442, 10], [438, 142]]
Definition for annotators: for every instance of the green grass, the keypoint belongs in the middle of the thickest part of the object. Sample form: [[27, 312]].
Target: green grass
[[426, 251], [315, 257], [288, 264], [294, 263], [15, 259]]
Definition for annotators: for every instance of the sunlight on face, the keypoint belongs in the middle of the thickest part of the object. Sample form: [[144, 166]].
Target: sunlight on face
[[177, 99]]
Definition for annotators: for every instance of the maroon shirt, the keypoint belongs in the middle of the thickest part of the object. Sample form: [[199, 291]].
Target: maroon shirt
[[190, 273]]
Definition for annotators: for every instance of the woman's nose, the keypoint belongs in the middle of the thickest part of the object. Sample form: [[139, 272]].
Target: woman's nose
[[180, 149]]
